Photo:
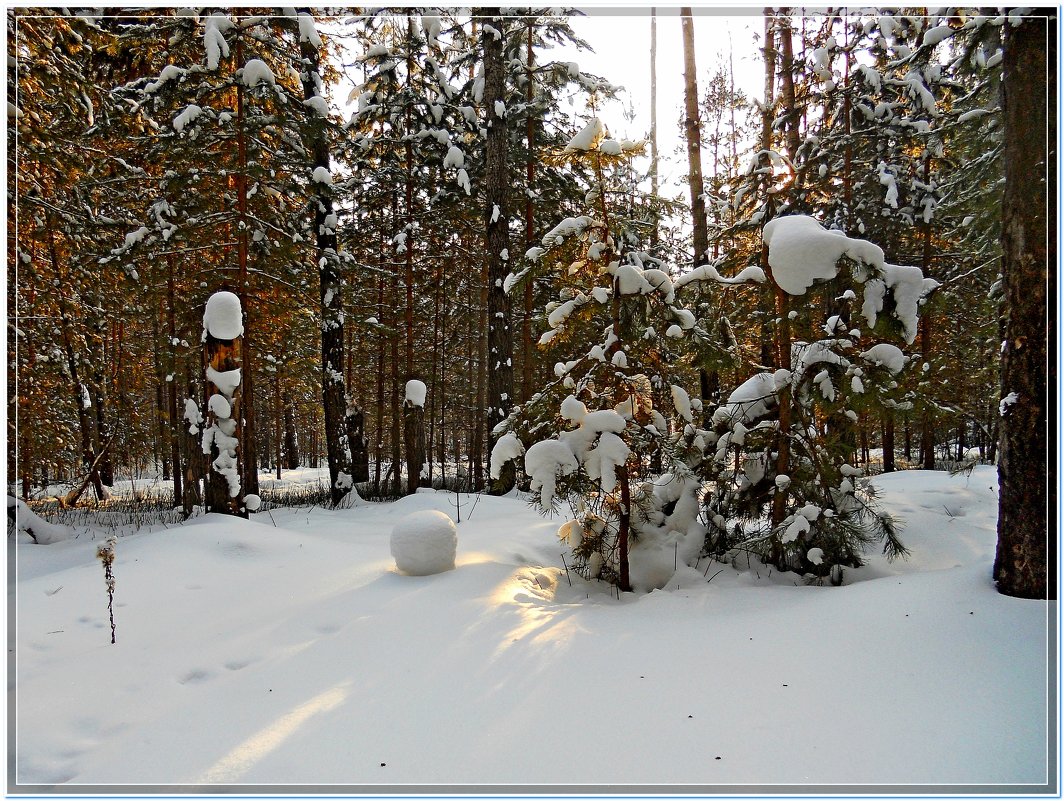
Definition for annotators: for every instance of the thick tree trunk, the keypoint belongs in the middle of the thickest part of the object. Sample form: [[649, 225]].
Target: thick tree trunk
[[527, 347], [329, 274], [496, 216], [414, 435], [1025, 564]]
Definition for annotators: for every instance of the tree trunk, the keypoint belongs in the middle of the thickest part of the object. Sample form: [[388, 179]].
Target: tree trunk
[[693, 134], [173, 429], [655, 233], [496, 216], [1025, 564], [223, 356], [888, 442], [249, 477], [334, 400], [527, 348], [414, 436], [291, 442]]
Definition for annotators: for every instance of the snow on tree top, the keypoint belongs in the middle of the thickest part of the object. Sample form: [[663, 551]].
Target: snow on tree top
[[307, 31], [801, 252], [415, 392], [256, 71], [321, 175], [588, 136], [214, 42], [222, 317]]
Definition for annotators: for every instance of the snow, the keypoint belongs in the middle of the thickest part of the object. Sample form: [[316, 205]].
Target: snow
[[252, 502], [222, 317], [454, 158], [250, 654], [416, 392], [182, 120], [318, 104], [506, 448], [214, 43], [424, 543], [1006, 402], [682, 401], [30, 527], [751, 400], [544, 462], [586, 138], [886, 355], [226, 380], [321, 175], [802, 252], [256, 71], [307, 31], [220, 406]]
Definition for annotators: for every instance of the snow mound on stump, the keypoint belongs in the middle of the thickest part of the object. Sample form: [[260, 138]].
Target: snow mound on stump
[[222, 316], [424, 543]]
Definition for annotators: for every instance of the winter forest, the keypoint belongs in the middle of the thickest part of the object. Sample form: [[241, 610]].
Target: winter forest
[[410, 305]]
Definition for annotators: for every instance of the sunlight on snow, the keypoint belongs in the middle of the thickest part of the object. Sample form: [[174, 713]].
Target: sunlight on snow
[[237, 762], [530, 593]]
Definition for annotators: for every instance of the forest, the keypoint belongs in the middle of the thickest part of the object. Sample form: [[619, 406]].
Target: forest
[[464, 261], [355, 345]]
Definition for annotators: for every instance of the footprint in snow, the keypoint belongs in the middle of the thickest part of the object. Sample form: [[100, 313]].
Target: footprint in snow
[[194, 677]]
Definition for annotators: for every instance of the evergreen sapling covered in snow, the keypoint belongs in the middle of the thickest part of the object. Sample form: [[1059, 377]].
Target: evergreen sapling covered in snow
[[594, 433], [781, 454]]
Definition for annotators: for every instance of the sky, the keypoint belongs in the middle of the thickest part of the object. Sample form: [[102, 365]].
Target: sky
[[621, 40]]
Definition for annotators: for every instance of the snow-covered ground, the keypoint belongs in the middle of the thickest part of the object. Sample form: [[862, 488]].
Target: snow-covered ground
[[289, 651]]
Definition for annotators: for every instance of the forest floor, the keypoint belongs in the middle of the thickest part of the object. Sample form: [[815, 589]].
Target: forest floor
[[287, 650]]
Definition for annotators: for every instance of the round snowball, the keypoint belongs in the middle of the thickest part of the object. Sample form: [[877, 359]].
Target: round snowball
[[424, 543]]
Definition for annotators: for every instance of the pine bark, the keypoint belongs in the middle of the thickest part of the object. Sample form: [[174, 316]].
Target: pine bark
[[693, 134], [500, 372], [1025, 564]]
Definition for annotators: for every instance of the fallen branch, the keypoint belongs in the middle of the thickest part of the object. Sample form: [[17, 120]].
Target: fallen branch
[[71, 498]]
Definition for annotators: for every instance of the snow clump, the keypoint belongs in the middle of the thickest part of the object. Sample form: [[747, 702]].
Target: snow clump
[[415, 393], [256, 71], [801, 252], [222, 317], [424, 543]]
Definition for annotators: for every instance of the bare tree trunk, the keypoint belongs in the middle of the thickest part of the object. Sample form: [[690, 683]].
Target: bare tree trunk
[[1025, 564], [249, 452], [291, 442], [888, 442], [496, 217], [655, 232]]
